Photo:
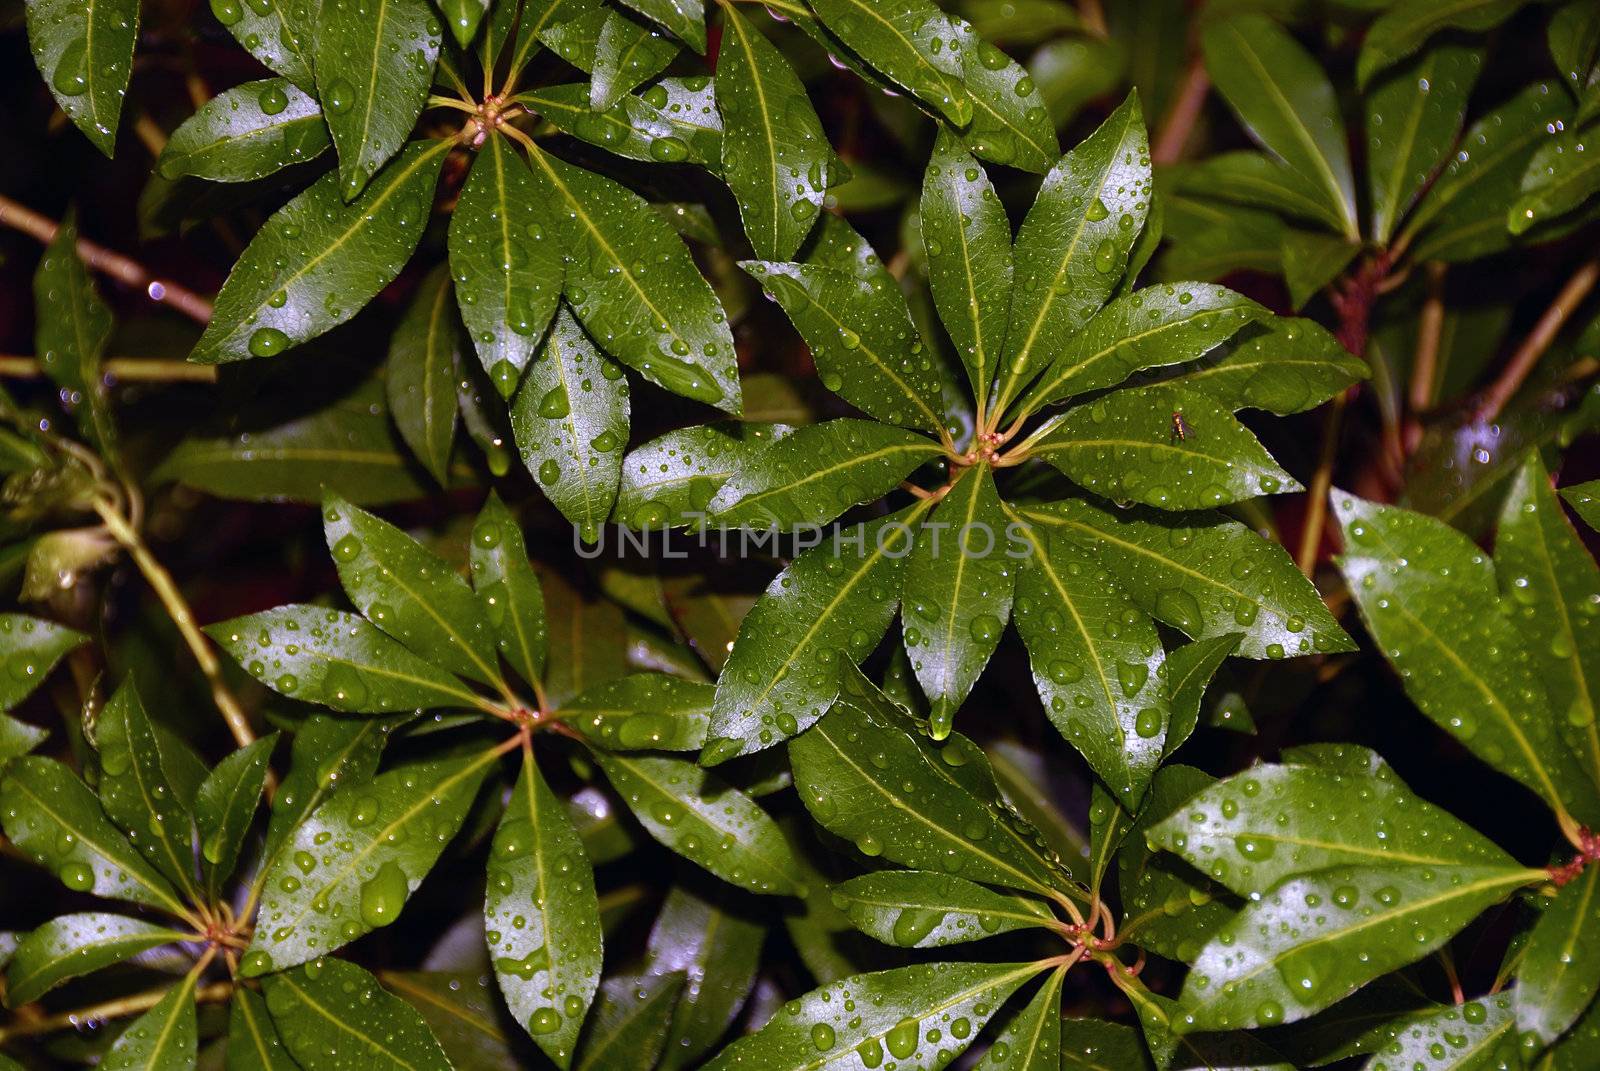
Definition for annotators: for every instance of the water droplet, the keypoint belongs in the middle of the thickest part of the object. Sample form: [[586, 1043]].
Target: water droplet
[[383, 895], [268, 342]]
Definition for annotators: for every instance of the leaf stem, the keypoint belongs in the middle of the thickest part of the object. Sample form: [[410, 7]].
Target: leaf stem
[[1321, 485], [126, 369], [1538, 341], [121, 1008], [1180, 119], [20, 217], [1425, 366], [437, 101]]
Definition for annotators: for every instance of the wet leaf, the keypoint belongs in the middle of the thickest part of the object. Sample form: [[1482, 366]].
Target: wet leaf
[[506, 262], [247, 133], [424, 353], [910, 41], [1559, 972], [586, 637], [1413, 117], [1189, 670], [644, 712], [349, 867], [1560, 177], [631, 1022], [282, 34], [685, 18], [1261, 180], [718, 951], [669, 481], [328, 753], [137, 792], [627, 54], [84, 52], [225, 807], [253, 1041], [675, 120], [18, 738], [163, 1038], [572, 31], [463, 17], [70, 333], [318, 261], [508, 588], [33, 647], [1094, 1045], [542, 917], [463, 1009], [1584, 498], [333, 1015], [1480, 1033], [1010, 123], [921, 909], [71, 945], [1312, 261], [373, 67], [1402, 29], [1031, 1039], [1280, 365]]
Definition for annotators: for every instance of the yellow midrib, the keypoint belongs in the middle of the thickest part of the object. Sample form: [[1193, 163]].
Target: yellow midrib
[[768, 134], [1199, 319], [341, 1023]]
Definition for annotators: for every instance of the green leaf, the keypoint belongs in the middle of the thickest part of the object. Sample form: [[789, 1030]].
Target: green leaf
[[587, 637], [1280, 365], [163, 1038], [336, 660], [1074, 243], [631, 1022], [253, 1041], [1574, 38], [1010, 123], [1210, 239], [374, 65], [1189, 670], [707, 821], [1403, 28], [855, 321], [1573, 1051], [1552, 585], [1020, 22], [1410, 575], [1335, 819], [829, 608], [669, 481], [542, 917], [573, 34], [958, 591], [281, 35], [1560, 177], [1480, 1033], [627, 54], [609, 231], [508, 588], [1160, 325], [1128, 445], [318, 260], [71, 330], [84, 51], [1317, 937], [685, 18], [225, 807], [571, 423], [817, 472], [348, 868], [673, 121], [1413, 117], [1311, 261], [893, 794], [968, 238], [328, 753], [771, 136], [910, 41], [1263, 181], [71, 945], [421, 374], [333, 1015], [463, 1009], [506, 262], [921, 909], [463, 17], [644, 712], [18, 738], [855, 1022], [1031, 1039], [1093, 1045], [1559, 972], [1285, 100], [408, 591], [1584, 498], [137, 792], [33, 647], [718, 951], [247, 133]]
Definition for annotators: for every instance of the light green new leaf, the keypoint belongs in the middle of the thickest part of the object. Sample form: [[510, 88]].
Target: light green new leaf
[[968, 239], [508, 588], [1412, 575], [282, 35], [506, 262], [1315, 938], [775, 154], [1286, 101], [707, 821], [571, 424], [610, 232], [336, 660], [225, 806], [33, 647], [1561, 176], [675, 120], [1073, 246], [163, 1038], [408, 591], [332, 1016], [911, 41], [1402, 29], [138, 793], [72, 327], [1010, 123], [958, 591], [1160, 325], [1551, 586], [718, 951], [669, 481], [1335, 819], [1189, 670], [71, 945], [1559, 971], [424, 354], [627, 54], [253, 1041], [631, 1021], [1584, 498], [857, 1021], [817, 472], [373, 68], [1031, 1039], [542, 917], [923, 909], [644, 712], [1127, 446], [829, 608], [349, 867], [1281, 365], [1413, 117], [246, 133], [84, 51], [318, 260]]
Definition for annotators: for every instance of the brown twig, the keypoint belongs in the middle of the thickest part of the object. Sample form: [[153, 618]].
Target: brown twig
[[126, 369], [1093, 16], [1425, 366], [1181, 117], [121, 1008], [20, 217], [1538, 341]]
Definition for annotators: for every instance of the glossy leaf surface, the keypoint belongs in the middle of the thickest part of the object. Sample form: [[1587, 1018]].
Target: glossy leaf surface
[[508, 588], [33, 647], [922, 909], [247, 133], [424, 355], [84, 52], [334, 1016], [71, 945]]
